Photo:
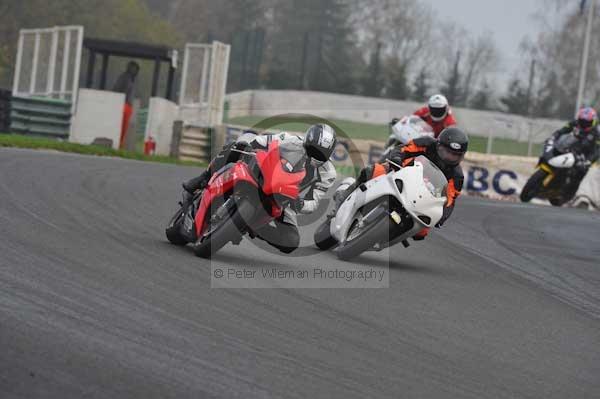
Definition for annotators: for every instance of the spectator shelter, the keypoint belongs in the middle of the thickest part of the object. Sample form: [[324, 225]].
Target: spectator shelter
[[47, 99], [104, 49]]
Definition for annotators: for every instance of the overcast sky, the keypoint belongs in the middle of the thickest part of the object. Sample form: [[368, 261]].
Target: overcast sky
[[508, 20]]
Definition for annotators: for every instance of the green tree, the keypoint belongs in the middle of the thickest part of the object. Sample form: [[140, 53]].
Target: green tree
[[420, 86], [111, 19], [553, 100], [372, 81], [396, 81], [329, 64], [452, 88], [515, 99], [482, 99]]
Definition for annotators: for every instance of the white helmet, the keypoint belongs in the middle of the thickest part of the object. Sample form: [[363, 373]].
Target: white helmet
[[438, 107]]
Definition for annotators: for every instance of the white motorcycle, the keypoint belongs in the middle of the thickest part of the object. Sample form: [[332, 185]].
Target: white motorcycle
[[385, 210], [405, 130]]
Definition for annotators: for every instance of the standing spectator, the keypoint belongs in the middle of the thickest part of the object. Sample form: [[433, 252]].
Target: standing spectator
[[126, 84]]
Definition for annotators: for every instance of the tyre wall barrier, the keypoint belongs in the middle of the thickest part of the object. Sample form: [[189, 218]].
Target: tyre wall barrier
[[195, 142]]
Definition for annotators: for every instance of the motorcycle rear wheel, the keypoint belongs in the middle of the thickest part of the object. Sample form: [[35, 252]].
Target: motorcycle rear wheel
[[231, 228]]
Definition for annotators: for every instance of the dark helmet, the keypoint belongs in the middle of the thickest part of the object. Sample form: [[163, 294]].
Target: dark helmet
[[319, 142], [452, 145], [133, 68]]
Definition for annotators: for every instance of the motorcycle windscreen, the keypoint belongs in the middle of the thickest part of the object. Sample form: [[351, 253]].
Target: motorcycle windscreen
[[282, 168], [410, 128], [565, 142], [433, 177]]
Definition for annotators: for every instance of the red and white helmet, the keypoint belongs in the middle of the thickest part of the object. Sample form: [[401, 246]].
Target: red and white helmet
[[587, 119], [438, 107]]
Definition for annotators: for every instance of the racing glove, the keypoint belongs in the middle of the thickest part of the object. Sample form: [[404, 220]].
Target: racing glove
[[396, 157], [242, 146], [549, 144], [297, 205], [581, 163]]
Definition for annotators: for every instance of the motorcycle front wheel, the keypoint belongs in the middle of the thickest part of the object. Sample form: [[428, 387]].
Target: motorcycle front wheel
[[533, 186], [323, 238], [173, 230], [558, 202], [230, 228], [362, 238]]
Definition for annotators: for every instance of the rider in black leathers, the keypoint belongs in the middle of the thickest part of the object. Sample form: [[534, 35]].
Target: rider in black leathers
[[447, 152], [587, 151]]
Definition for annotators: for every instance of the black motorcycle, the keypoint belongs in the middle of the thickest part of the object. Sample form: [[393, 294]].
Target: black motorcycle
[[555, 173]]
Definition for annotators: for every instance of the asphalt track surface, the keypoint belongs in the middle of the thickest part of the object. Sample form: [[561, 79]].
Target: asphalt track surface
[[503, 302]]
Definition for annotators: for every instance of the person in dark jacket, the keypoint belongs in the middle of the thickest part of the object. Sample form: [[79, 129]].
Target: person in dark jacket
[[587, 151], [126, 84]]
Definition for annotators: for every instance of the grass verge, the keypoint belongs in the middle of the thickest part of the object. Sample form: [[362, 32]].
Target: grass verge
[[34, 142]]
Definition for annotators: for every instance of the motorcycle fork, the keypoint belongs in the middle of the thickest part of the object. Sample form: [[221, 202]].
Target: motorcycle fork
[[550, 173]]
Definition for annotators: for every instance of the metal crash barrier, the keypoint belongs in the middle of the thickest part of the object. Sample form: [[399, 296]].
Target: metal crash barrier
[[40, 116]]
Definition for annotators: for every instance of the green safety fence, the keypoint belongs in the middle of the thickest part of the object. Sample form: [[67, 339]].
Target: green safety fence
[[40, 116]]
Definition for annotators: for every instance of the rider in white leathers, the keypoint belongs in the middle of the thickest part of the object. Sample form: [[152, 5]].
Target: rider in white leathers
[[319, 143]]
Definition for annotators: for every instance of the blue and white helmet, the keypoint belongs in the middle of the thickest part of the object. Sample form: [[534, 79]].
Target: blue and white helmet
[[319, 142]]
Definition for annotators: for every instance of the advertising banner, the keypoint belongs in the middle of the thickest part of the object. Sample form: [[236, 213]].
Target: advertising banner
[[499, 177]]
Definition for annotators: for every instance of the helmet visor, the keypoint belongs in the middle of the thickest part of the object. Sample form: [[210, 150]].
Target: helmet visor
[[438, 112], [315, 154], [585, 124], [449, 156]]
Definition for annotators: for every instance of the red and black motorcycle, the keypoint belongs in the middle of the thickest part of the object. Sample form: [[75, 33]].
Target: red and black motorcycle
[[248, 193]]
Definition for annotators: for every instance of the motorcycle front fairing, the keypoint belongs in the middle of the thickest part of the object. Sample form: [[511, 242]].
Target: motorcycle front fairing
[[275, 174], [405, 130], [557, 168], [416, 197], [563, 161], [223, 181], [410, 128], [282, 169]]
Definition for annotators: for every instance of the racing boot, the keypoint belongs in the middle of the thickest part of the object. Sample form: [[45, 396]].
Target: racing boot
[[350, 184], [341, 193], [197, 183], [192, 185]]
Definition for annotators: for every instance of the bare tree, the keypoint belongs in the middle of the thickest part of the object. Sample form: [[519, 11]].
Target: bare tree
[[481, 60], [557, 50], [402, 32]]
